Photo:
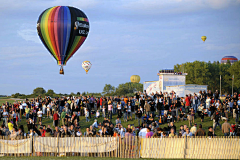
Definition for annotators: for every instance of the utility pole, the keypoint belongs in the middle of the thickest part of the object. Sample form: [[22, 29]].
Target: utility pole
[[232, 84]]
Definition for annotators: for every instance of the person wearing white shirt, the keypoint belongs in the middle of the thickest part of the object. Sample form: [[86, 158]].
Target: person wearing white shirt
[[194, 129], [97, 114], [95, 124], [119, 109], [24, 104], [39, 114], [44, 108], [48, 110], [208, 100]]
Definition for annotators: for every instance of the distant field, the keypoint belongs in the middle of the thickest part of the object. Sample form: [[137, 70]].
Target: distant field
[[10, 100]]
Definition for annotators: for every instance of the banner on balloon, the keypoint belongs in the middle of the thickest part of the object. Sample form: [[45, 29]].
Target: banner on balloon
[[16, 146]]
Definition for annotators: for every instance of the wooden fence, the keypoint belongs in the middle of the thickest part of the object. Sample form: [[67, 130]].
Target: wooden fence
[[131, 147]]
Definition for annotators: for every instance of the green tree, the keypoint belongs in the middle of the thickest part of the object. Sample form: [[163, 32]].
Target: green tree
[[108, 90], [235, 70], [39, 91], [208, 73], [50, 93], [128, 88]]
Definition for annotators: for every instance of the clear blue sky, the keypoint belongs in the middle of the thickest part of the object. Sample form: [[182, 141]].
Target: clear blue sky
[[126, 37]]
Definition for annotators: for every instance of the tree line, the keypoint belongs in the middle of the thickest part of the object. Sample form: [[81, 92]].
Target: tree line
[[127, 89], [207, 73]]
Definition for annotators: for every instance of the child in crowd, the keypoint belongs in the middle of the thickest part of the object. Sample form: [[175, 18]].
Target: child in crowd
[[97, 114]]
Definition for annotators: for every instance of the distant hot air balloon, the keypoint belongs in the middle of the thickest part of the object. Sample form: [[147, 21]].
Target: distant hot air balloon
[[135, 78], [62, 30], [204, 38], [86, 65]]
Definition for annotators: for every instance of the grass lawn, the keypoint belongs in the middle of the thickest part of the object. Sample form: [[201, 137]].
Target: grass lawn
[[207, 122], [9, 100]]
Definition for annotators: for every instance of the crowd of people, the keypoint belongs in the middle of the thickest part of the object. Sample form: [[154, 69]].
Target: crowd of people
[[150, 111]]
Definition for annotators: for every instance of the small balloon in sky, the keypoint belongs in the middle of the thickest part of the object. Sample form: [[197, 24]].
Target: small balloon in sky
[[204, 38], [86, 65]]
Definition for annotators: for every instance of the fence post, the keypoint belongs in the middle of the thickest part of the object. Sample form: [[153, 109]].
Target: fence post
[[57, 145], [185, 147]]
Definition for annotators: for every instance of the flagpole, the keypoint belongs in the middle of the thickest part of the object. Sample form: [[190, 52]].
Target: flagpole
[[220, 86], [232, 84]]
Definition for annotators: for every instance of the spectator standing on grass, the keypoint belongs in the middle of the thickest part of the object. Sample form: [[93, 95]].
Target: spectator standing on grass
[[188, 103], [55, 119], [110, 107], [226, 128], [147, 107], [5, 117], [27, 111], [10, 126], [39, 113], [216, 118], [194, 129], [129, 111], [139, 116], [87, 115], [63, 115], [211, 133], [200, 131]]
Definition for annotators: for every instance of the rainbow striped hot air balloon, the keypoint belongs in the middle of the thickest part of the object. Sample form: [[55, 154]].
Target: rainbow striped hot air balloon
[[62, 30]]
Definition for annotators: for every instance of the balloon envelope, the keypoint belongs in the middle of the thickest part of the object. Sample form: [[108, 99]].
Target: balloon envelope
[[135, 78], [62, 30], [204, 38], [86, 65]]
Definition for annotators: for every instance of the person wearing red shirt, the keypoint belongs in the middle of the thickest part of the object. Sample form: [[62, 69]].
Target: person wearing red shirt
[[42, 132], [101, 105], [187, 105], [55, 118], [232, 129]]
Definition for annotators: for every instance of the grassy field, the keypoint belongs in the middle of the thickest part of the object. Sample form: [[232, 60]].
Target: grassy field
[[3, 100], [207, 122]]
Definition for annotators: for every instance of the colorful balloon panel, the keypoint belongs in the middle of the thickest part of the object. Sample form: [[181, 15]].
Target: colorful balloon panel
[[62, 30]]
